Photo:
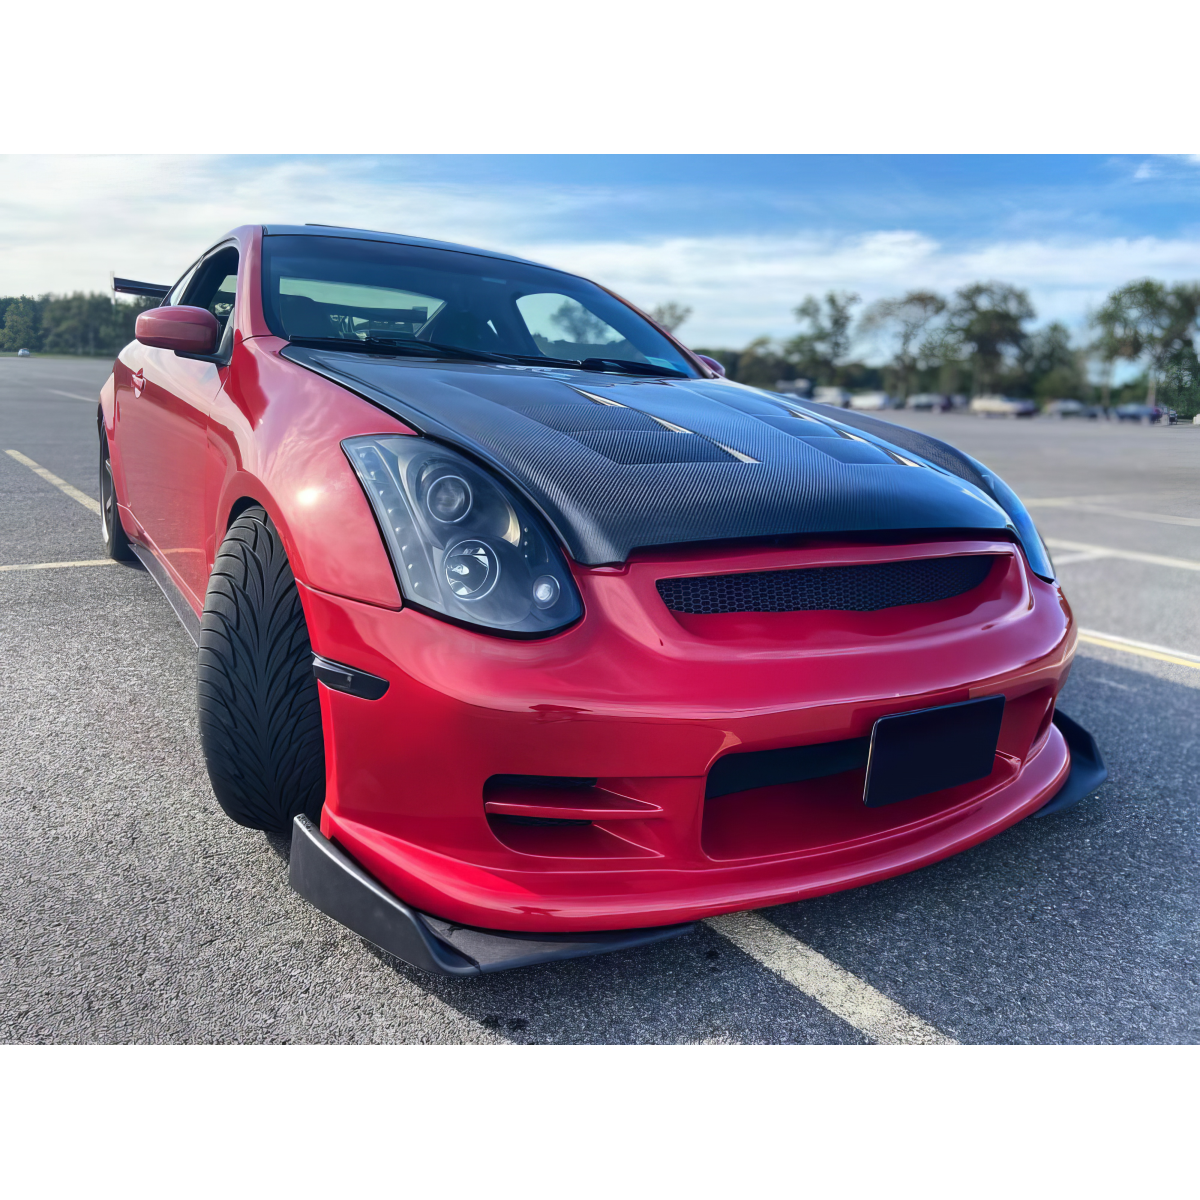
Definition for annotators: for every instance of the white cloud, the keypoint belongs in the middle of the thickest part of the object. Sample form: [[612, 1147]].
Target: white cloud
[[65, 222]]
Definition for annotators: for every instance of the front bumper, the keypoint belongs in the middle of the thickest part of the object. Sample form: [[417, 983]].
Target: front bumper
[[643, 703], [333, 882]]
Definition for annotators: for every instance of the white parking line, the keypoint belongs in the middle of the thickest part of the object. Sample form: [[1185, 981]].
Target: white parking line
[[831, 986], [61, 484], [1065, 560], [1106, 510], [1158, 560], [83, 562], [74, 396], [1111, 641]]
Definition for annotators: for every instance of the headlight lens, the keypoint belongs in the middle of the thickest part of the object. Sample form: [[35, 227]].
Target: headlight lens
[[462, 544]]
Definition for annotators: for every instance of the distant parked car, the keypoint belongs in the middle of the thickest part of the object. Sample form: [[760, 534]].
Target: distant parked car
[[1002, 406], [22, 353], [794, 387], [1142, 414], [832, 395], [929, 402], [872, 401], [1066, 408]]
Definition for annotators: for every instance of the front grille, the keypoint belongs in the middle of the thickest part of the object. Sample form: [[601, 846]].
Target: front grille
[[863, 587]]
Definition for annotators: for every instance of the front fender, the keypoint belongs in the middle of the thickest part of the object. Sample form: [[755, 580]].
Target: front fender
[[274, 439]]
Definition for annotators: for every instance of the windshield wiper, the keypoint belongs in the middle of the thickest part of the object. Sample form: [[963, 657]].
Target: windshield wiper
[[628, 366], [440, 347], [385, 346], [625, 366]]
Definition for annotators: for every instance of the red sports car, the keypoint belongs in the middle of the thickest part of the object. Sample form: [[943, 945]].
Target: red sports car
[[543, 638]]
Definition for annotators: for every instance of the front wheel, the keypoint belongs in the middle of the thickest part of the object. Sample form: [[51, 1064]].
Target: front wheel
[[260, 713]]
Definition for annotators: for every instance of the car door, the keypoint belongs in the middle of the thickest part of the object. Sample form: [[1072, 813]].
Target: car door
[[164, 421]]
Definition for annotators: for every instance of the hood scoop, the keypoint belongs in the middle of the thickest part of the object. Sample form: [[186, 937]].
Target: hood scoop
[[617, 465]]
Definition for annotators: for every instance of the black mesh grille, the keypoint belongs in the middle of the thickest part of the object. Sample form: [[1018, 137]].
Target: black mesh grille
[[859, 588]]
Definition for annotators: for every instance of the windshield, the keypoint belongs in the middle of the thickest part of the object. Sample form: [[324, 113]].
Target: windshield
[[392, 298]]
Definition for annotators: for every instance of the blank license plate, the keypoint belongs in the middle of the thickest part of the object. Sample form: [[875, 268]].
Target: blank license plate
[[915, 753]]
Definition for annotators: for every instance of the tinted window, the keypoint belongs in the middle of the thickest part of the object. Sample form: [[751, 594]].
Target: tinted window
[[214, 285], [378, 292]]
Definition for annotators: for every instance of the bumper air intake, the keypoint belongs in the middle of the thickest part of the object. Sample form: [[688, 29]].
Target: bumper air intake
[[862, 587]]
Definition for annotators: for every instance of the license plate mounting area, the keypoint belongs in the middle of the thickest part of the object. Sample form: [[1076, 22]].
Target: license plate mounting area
[[915, 753]]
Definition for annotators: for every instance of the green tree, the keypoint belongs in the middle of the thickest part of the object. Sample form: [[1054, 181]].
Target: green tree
[[1147, 321], [670, 315], [21, 324], [1181, 382], [906, 319], [819, 352], [1052, 367], [581, 324], [989, 320]]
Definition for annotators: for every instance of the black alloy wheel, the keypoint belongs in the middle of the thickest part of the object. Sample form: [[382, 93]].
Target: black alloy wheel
[[116, 543], [259, 709]]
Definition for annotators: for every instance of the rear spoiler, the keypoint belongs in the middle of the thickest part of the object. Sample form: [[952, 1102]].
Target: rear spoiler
[[133, 287]]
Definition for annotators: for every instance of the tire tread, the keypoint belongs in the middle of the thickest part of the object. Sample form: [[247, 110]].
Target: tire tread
[[259, 707]]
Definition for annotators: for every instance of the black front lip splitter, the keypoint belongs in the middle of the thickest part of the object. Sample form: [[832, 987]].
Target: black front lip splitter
[[332, 881], [1087, 773]]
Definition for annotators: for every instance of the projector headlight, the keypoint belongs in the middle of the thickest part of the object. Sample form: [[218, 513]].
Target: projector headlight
[[463, 545]]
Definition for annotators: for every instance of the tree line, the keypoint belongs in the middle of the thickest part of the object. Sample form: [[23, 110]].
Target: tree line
[[981, 340], [976, 341], [82, 323]]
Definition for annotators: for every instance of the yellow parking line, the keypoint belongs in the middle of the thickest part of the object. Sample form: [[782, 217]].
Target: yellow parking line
[[61, 484], [82, 562], [1144, 649]]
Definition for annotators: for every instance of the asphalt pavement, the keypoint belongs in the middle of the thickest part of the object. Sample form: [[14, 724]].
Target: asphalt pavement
[[131, 910]]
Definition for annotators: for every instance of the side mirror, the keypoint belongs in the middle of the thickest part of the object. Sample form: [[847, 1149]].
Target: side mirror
[[179, 327], [711, 363]]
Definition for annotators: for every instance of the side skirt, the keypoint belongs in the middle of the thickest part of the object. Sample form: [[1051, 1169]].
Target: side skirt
[[332, 881], [181, 608]]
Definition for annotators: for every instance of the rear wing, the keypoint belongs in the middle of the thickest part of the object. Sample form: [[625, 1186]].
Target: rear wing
[[133, 287]]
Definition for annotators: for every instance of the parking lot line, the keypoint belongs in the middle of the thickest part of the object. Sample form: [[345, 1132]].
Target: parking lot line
[[1107, 510], [1158, 560], [74, 396], [61, 484], [1112, 641], [82, 562], [831, 986]]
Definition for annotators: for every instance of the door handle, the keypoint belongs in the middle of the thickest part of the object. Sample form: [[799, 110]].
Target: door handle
[[139, 381]]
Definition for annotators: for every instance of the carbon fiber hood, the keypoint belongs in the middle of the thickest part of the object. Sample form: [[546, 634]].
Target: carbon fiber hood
[[615, 464]]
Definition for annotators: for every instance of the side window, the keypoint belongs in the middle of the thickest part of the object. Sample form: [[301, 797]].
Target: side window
[[175, 295], [214, 285]]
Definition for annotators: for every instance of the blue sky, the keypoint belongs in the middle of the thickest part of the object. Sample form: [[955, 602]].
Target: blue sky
[[741, 239]]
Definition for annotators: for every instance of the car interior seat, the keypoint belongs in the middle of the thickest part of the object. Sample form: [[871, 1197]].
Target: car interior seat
[[304, 317], [461, 328]]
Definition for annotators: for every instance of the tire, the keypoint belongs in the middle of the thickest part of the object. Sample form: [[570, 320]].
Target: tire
[[260, 713], [116, 543]]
